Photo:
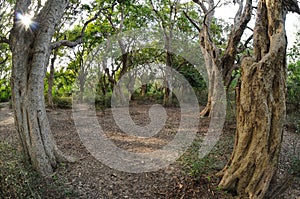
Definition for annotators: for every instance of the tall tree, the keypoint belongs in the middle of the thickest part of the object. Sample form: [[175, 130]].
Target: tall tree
[[69, 19], [170, 20], [30, 44], [260, 104], [217, 61]]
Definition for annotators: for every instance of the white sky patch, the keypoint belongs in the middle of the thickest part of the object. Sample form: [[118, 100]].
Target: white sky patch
[[292, 21], [292, 27]]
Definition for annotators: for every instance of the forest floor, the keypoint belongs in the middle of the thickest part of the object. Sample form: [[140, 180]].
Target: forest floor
[[188, 177]]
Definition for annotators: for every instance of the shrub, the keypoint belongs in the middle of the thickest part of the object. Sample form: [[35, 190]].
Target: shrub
[[62, 102], [192, 164], [103, 101]]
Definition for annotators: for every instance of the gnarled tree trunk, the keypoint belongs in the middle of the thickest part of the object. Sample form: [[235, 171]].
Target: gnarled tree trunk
[[30, 54], [215, 61], [260, 107]]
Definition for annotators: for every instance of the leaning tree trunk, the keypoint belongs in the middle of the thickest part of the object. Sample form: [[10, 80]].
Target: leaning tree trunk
[[260, 107], [30, 54]]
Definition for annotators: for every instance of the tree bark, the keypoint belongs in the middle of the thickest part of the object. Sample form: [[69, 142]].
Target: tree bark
[[30, 54], [168, 91], [51, 79], [215, 61], [260, 107]]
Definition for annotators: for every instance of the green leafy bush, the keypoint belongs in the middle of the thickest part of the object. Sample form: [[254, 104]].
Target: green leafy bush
[[5, 93], [192, 164], [293, 84], [62, 102], [103, 101]]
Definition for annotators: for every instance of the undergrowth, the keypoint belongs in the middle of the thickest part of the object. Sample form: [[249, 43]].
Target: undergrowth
[[19, 180]]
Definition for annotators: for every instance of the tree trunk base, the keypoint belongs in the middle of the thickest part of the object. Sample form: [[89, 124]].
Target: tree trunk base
[[206, 111]]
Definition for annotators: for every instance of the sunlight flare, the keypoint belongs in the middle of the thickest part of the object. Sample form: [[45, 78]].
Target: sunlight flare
[[25, 20]]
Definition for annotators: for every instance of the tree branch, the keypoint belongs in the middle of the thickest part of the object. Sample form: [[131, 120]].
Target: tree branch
[[3, 61], [241, 21], [4, 40], [244, 46], [291, 6], [204, 9], [79, 40], [192, 21]]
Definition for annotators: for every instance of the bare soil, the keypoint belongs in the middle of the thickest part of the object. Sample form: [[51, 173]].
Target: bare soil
[[89, 178]]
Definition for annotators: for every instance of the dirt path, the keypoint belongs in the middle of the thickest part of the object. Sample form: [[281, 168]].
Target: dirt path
[[6, 122], [92, 179], [95, 180]]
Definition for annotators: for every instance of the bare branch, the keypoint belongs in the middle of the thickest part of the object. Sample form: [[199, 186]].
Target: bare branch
[[241, 21], [210, 13], [204, 9], [79, 40], [158, 14], [3, 61], [239, 12], [192, 21], [291, 6], [66, 43], [244, 46]]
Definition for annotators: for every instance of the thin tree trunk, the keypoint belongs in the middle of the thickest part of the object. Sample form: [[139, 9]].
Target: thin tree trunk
[[30, 56], [168, 90], [143, 90], [260, 107], [51, 79]]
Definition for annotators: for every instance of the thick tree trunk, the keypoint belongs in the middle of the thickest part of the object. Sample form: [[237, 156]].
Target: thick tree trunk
[[30, 55], [260, 107]]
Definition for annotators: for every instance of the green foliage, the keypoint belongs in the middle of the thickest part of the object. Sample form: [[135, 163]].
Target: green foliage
[[295, 168], [63, 82], [193, 76], [103, 101], [62, 102], [192, 164], [293, 83], [5, 93], [294, 52], [220, 30]]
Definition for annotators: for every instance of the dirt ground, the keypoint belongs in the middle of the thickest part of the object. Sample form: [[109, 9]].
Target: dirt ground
[[89, 178]]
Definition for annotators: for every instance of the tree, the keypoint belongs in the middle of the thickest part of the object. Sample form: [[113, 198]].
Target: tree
[[5, 56], [260, 105], [293, 82], [30, 44], [69, 19], [217, 61]]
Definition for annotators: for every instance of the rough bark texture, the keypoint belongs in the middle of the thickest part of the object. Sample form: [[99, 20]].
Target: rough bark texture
[[30, 54], [215, 61], [260, 107]]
